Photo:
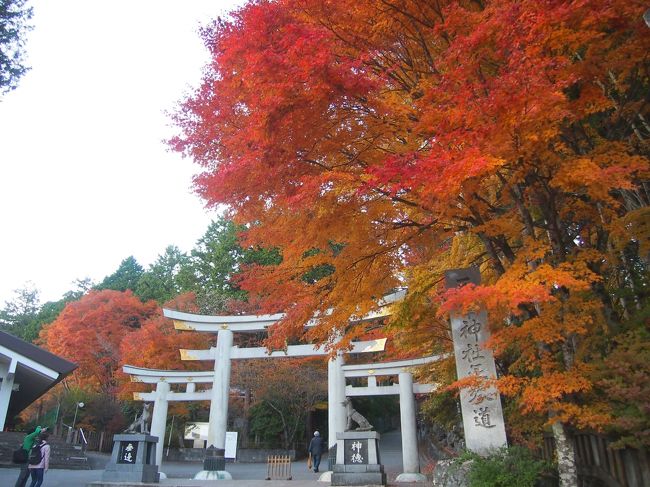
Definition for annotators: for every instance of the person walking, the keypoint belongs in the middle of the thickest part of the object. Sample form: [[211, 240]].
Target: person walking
[[316, 448], [27, 446], [39, 461]]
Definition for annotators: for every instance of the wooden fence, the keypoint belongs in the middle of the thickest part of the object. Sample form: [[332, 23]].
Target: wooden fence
[[601, 465], [99, 441], [278, 467]]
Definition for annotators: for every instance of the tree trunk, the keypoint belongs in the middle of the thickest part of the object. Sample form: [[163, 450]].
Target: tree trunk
[[180, 436], [566, 459], [244, 429]]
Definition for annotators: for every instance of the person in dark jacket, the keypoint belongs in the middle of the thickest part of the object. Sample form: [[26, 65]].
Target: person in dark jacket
[[316, 448], [27, 446]]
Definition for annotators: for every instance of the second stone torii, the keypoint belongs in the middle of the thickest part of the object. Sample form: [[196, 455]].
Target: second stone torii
[[225, 352]]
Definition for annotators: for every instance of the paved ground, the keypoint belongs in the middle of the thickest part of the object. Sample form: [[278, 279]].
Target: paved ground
[[244, 474]]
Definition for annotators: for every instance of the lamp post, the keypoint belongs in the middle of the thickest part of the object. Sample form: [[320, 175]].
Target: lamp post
[[79, 405]]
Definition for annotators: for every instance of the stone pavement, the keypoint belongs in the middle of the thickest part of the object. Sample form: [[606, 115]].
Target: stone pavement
[[244, 474]]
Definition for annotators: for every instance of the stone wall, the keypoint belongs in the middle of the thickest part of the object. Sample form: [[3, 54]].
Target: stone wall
[[244, 455]]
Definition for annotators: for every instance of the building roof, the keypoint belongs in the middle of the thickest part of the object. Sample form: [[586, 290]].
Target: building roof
[[36, 370]]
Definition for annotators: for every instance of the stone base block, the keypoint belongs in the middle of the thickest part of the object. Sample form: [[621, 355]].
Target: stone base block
[[411, 477], [131, 473], [358, 475], [359, 478], [133, 459], [326, 477], [213, 475]]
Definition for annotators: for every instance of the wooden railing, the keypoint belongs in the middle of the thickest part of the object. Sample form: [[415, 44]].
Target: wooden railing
[[95, 440], [598, 461], [99, 441]]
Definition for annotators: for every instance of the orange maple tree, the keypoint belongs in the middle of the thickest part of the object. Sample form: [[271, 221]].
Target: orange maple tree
[[156, 345], [89, 332], [389, 140]]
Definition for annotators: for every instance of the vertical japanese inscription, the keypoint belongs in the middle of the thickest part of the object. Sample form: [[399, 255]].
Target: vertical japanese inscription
[[128, 452], [356, 452], [480, 405]]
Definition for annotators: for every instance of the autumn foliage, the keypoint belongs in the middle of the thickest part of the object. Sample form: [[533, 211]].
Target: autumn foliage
[[389, 140], [156, 345], [89, 332]]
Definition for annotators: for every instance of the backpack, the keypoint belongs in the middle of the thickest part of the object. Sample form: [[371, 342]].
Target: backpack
[[20, 455], [35, 455]]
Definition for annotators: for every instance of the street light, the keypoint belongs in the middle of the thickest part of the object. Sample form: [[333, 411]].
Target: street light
[[79, 405]]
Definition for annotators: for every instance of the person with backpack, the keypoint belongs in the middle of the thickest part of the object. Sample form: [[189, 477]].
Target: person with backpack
[[22, 455], [39, 459]]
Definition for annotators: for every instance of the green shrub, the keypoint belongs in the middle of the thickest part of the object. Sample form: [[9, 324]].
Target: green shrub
[[506, 467]]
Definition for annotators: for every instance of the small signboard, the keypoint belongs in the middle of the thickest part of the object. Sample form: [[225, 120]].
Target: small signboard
[[196, 431], [128, 452], [356, 452], [231, 445]]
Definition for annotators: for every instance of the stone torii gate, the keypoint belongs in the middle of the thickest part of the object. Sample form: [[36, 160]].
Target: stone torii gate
[[225, 352], [163, 394], [406, 389]]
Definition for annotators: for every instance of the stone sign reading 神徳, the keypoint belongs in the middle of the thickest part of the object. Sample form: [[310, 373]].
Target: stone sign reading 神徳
[[481, 406], [356, 452]]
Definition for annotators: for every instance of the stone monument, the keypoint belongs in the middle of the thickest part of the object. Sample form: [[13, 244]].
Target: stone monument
[[134, 453], [357, 453], [480, 405]]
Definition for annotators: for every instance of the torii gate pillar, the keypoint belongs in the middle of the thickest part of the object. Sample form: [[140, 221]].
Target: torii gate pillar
[[220, 391], [336, 416], [410, 454], [159, 418]]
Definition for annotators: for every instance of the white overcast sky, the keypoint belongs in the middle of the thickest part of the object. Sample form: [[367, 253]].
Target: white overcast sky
[[85, 180]]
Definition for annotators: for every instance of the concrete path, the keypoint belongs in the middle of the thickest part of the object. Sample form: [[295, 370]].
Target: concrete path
[[244, 474]]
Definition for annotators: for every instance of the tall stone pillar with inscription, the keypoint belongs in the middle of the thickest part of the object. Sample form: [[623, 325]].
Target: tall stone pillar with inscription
[[481, 406]]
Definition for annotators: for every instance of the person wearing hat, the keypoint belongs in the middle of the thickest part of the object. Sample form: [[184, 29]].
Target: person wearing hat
[[316, 448]]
